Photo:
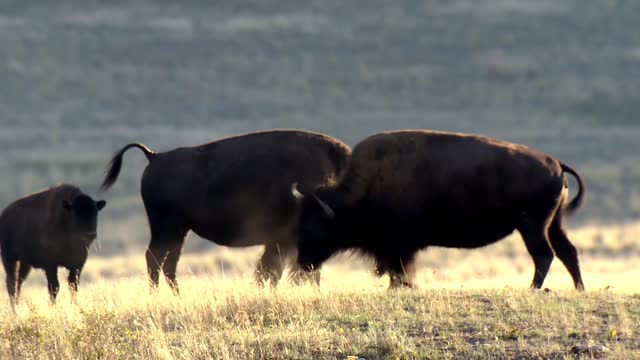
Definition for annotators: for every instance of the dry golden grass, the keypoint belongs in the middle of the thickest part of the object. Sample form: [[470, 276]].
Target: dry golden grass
[[470, 304]]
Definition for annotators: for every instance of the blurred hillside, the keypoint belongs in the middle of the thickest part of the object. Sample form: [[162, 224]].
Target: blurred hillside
[[82, 78]]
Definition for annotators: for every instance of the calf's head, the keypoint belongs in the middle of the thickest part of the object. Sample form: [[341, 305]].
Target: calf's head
[[81, 216]]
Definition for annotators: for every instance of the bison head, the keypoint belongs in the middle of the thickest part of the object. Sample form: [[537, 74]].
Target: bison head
[[82, 216], [319, 230]]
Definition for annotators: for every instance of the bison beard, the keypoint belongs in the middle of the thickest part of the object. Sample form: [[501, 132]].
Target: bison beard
[[407, 190]]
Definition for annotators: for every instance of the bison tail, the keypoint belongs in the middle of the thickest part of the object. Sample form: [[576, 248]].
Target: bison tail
[[577, 201], [113, 169]]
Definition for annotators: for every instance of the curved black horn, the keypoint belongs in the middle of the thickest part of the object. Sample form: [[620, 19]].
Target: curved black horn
[[326, 208]]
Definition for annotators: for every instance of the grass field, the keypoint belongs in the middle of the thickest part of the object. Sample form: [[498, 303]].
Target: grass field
[[469, 304], [81, 79]]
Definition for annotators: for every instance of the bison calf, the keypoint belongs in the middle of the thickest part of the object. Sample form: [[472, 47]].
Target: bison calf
[[407, 190], [45, 230], [234, 192]]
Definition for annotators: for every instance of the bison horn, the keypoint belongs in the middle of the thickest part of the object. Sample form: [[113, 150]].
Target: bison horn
[[326, 208], [294, 191]]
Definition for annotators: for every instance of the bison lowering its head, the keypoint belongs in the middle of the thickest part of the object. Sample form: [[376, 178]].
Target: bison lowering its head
[[405, 191], [323, 230]]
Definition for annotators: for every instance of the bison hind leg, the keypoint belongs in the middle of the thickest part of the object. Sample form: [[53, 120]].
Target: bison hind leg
[[565, 251], [536, 240], [168, 234], [170, 265]]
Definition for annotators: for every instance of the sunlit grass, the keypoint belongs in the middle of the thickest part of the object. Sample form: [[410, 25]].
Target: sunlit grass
[[231, 319], [469, 304]]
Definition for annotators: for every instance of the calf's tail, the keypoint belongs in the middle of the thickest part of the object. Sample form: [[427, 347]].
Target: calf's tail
[[577, 200], [113, 169]]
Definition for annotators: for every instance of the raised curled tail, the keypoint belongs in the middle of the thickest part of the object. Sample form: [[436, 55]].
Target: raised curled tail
[[577, 200], [113, 169]]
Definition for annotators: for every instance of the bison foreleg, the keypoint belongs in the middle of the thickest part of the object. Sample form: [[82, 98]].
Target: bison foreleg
[[270, 265], [402, 271], [74, 281], [52, 283], [23, 272], [10, 268], [299, 276]]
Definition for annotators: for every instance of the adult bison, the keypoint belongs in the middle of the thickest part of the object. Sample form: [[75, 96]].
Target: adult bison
[[234, 192], [406, 190], [45, 230]]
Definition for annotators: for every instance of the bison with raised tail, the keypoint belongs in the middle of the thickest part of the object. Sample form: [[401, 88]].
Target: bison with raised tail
[[234, 192], [45, 230], [407, 190]]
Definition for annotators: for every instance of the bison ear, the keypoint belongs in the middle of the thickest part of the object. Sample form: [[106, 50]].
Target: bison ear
[[294, 191], [100, 204], [66, 204]]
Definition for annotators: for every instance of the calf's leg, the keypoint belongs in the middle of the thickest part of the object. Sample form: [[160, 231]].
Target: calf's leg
[[23, 272], [52, 282], [74, 281], [10, 268]]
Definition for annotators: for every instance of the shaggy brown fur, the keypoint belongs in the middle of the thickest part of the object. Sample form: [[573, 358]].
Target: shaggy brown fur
[[48, 229], [234, 192], [408, 190]]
